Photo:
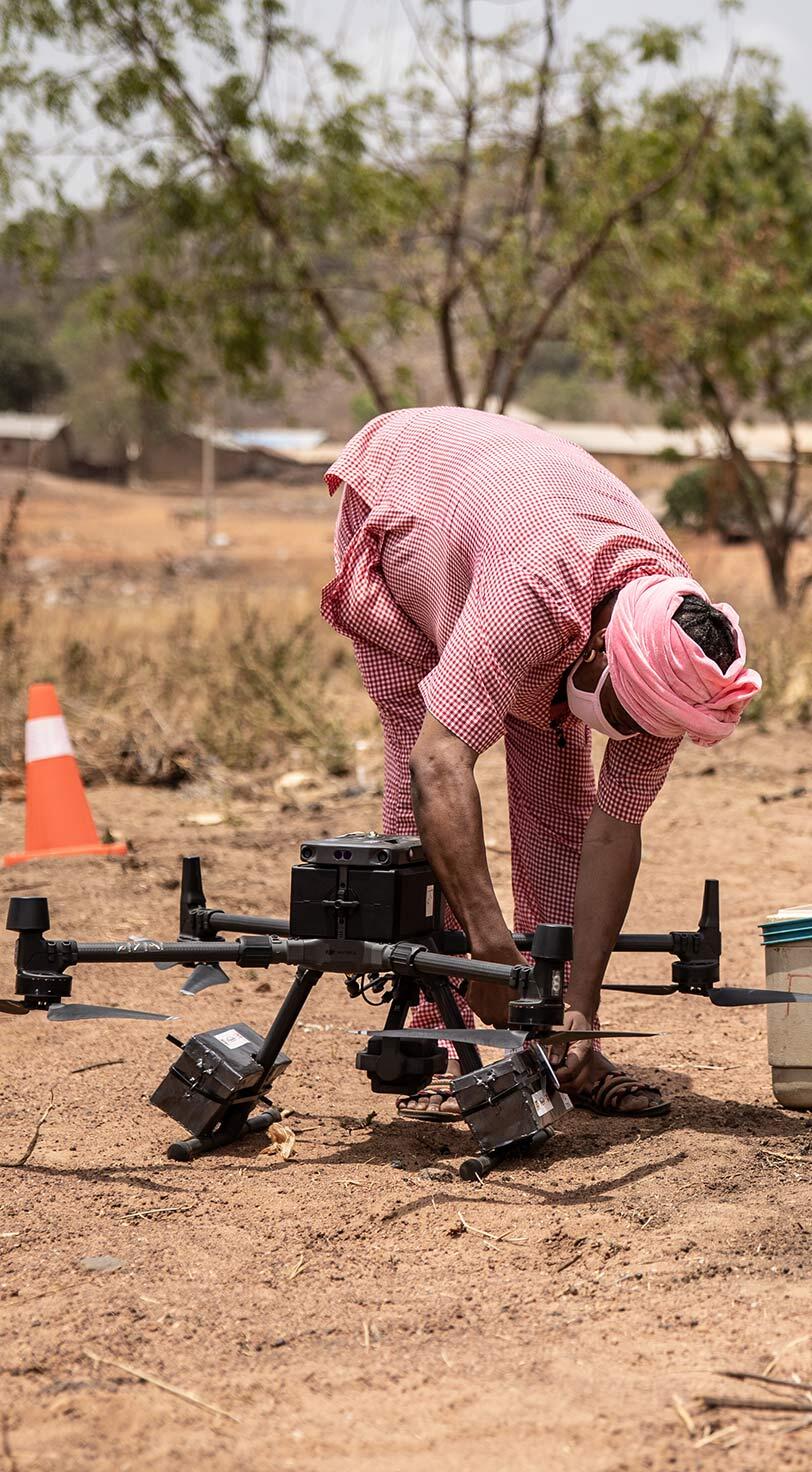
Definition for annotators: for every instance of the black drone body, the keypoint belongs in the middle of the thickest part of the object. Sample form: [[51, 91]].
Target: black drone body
[[367, 907]]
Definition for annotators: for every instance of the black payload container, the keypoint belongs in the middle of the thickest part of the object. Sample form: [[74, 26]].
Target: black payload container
[[364, 886], [510, 1102], [214, 1070]]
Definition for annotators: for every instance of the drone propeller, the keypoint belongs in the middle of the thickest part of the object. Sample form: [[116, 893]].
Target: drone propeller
[[496, 1037], [208, 973], [645, 988], [82, 1012], [752, 996], [9, 1004], [718, 996]]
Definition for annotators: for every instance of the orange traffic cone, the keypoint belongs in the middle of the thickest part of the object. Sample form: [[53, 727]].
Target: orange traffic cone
[[58, 821]]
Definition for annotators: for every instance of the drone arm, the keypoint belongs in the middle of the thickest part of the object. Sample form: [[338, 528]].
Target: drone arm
[[55, 956], [247, 924], [630, 942]]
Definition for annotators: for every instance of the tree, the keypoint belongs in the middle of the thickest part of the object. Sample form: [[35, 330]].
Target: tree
[[532, 160], [473, 200], [29, 373], [710, 308]]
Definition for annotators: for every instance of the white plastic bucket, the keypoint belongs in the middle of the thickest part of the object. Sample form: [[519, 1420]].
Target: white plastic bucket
[[788, 958]]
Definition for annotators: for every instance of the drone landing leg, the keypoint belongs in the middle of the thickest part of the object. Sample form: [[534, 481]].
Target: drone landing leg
[[238, 1120], [186, 1150], [444, 995], [476, 1167]]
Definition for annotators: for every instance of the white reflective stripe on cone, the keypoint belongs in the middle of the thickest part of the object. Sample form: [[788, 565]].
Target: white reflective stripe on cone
[[45, 737]]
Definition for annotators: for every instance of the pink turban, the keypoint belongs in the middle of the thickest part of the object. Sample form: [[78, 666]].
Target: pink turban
[[664, 680]]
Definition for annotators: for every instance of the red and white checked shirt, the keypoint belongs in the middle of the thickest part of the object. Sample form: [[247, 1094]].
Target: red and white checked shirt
[[482, 548]]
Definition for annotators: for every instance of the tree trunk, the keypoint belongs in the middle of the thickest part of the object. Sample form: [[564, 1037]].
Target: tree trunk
[[776, 549]]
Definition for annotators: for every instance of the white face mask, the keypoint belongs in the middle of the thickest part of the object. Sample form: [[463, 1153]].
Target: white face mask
[[586, 706]]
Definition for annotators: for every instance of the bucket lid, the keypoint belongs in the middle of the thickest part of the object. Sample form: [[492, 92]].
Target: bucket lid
[[791, 924]]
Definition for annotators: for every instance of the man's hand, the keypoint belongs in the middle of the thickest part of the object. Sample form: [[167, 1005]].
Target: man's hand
[[572, 1061], [488, 999]]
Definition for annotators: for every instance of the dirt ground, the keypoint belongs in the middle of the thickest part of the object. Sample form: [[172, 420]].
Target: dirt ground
[[333, 1308]]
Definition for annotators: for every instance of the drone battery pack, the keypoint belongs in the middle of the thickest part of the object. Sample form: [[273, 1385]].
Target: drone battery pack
[[508, 1102], [364, 886], [215, 1070]]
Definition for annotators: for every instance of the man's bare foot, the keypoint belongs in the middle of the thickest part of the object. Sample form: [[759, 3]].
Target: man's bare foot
[[434, 1102]]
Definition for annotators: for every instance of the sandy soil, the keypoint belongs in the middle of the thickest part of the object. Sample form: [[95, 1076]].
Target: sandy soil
[[333, 1307], [331, 1304]]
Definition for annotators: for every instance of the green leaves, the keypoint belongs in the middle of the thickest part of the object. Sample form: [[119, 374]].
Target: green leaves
[[710, 307], [663, 43], [280, 208]]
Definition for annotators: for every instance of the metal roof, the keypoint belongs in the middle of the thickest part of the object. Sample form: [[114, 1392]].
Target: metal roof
[[40, 427], [284, 440], [759, 441]]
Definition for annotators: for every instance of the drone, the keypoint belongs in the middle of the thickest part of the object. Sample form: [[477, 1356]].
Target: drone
[[367, 907]]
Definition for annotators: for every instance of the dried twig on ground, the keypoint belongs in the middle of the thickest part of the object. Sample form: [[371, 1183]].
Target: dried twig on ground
[[562, 1266], [106, 1063], [779, 1355], [685, 1415], [725, 1402], [32, 1143], [780, 1155], [150, 1379], [144, 1211], [726, 1436], [479, 1232], [765, 1379], [5, 1444]]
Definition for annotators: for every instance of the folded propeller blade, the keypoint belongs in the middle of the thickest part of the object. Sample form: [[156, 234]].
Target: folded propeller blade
[[208, 973], [644, 988], [752, 996], [84, 1012], [488, 1037], [9, 1004], [495, 1037]]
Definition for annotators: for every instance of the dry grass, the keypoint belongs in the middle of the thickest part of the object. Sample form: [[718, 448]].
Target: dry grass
[[780, 647], [161, 693], [187, 674]]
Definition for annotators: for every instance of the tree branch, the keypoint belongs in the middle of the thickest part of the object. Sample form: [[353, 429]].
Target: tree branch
[[755, 496], [538, 135], [593, 247], [452, 288], [217, 148]]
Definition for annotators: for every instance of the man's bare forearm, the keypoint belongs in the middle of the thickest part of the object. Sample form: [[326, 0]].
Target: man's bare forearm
[[610, 859], [448, 812]]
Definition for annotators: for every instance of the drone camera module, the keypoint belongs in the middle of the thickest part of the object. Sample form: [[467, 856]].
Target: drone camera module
[[401, 1065], [214, 1071], [363, 886]]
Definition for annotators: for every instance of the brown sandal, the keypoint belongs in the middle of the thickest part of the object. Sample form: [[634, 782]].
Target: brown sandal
[[434, 1091], [608, 1093]]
